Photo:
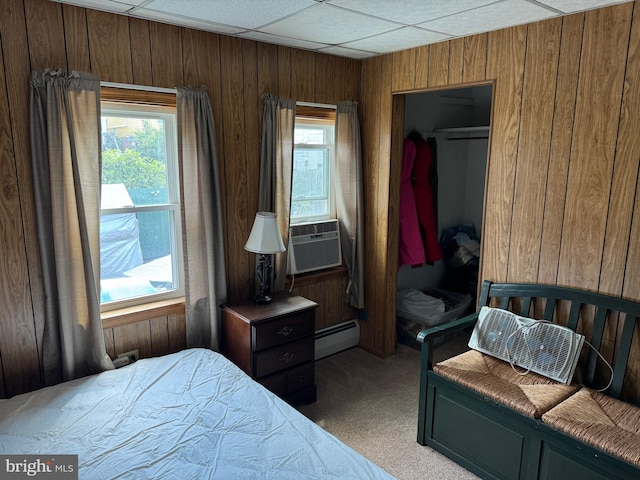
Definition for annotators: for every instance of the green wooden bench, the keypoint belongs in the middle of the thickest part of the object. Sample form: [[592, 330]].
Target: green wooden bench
[[485, 433]]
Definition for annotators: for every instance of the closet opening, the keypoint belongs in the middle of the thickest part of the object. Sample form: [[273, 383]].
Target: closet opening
[[445, 149]]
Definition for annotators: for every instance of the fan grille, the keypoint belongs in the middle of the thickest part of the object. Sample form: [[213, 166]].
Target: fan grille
[[545, 348]]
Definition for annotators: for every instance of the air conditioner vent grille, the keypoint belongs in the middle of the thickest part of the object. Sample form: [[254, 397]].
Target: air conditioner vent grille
[[326, 227], [314, 246], [307, 229], [313, 228]]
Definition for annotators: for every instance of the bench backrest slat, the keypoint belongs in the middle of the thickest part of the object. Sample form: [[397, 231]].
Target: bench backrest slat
[[504, 303], [549, 309], [596, 342], [574, 315], [526, 306], [607, 309], [624, 348]]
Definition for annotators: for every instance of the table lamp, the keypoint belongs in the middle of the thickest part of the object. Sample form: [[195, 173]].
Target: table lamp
[[265, 240]]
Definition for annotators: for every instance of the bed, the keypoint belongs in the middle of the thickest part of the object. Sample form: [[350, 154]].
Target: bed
[[191, 414]]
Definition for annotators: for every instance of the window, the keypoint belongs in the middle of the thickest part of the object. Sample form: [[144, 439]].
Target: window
[[313, 165], [140, 223]]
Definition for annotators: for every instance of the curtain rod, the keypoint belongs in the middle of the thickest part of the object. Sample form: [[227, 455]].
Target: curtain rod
[[319, 105], [138, 87]]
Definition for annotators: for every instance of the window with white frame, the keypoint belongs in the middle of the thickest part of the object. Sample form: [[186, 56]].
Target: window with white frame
[[140, 222], [313, 165]]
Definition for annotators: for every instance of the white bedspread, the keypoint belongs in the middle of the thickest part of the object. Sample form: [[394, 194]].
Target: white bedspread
[[188, 415]]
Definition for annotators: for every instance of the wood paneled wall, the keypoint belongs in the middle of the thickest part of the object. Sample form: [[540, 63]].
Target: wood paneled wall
[[39, 34], [562, 193], [561, 205], [152, 337]]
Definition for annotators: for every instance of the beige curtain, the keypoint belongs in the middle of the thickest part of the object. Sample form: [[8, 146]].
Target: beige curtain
[[349, 198], [206, 286], [65, 153], [276, 170]]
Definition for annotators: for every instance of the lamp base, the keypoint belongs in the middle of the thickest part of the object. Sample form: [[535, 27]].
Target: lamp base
[[263, 270], [262, 299]]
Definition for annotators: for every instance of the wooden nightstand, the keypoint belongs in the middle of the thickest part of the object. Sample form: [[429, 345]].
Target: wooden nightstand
[[274, 344]]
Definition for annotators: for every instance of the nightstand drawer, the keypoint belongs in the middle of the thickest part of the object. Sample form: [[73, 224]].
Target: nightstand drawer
[[291, 380], [283, 356], [298, 378], [283, 329], [274, 383]]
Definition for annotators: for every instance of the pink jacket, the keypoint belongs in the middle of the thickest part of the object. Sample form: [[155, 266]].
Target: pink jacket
[[423, 196], [411, 248]]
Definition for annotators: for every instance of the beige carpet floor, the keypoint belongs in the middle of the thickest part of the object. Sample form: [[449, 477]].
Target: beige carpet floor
[[371, 404]]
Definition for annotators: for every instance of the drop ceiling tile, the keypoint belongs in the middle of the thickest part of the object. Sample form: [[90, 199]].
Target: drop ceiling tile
[[412, 11], [133, 3], [348, 52], [291, 42], [247, 14], [104, 5], [491, 17], [400, 39], [324, 23], [182, 21], [570, 6], [348, 27]]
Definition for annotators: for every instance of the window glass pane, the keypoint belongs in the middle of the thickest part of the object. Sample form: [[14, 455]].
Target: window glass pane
[[136, 254], [134, 155], [310, 182], [140, 243], [309, 135], [311, 188], [309, 208]]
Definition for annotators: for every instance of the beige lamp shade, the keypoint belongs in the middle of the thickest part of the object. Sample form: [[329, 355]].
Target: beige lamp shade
[[265, 235]]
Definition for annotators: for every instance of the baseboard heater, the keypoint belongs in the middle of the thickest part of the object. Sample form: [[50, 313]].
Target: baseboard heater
[[336, 338]]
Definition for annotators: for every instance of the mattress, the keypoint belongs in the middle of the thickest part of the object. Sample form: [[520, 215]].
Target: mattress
[[188, 415]]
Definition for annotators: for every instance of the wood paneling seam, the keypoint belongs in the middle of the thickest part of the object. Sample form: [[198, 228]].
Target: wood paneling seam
[[623, 96], [520, 113]]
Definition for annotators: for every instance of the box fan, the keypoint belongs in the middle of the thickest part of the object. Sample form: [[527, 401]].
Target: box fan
[[536, 345]]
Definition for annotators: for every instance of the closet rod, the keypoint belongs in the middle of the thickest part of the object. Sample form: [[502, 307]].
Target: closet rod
[[467, 138]]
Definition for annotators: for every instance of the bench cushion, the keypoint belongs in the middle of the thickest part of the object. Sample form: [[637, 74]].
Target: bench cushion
[[529, 394], [599, 420]]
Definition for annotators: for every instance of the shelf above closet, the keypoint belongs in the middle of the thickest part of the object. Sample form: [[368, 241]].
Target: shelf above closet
[[463, 133]]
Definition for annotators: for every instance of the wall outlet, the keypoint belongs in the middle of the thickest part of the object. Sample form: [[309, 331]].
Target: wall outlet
[[120, 362], [131, 356]]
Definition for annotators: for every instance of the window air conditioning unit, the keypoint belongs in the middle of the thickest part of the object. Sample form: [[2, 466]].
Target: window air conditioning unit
[[314, 246]]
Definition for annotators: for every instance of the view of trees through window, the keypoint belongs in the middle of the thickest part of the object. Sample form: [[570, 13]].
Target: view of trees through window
[[140, 210], [137, 160]]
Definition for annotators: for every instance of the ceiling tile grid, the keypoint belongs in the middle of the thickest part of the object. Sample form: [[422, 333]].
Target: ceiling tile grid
[[349, 28], [490, 17]]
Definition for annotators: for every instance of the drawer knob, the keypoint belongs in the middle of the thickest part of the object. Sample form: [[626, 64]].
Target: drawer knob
[[285, 331], [287, 357]]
